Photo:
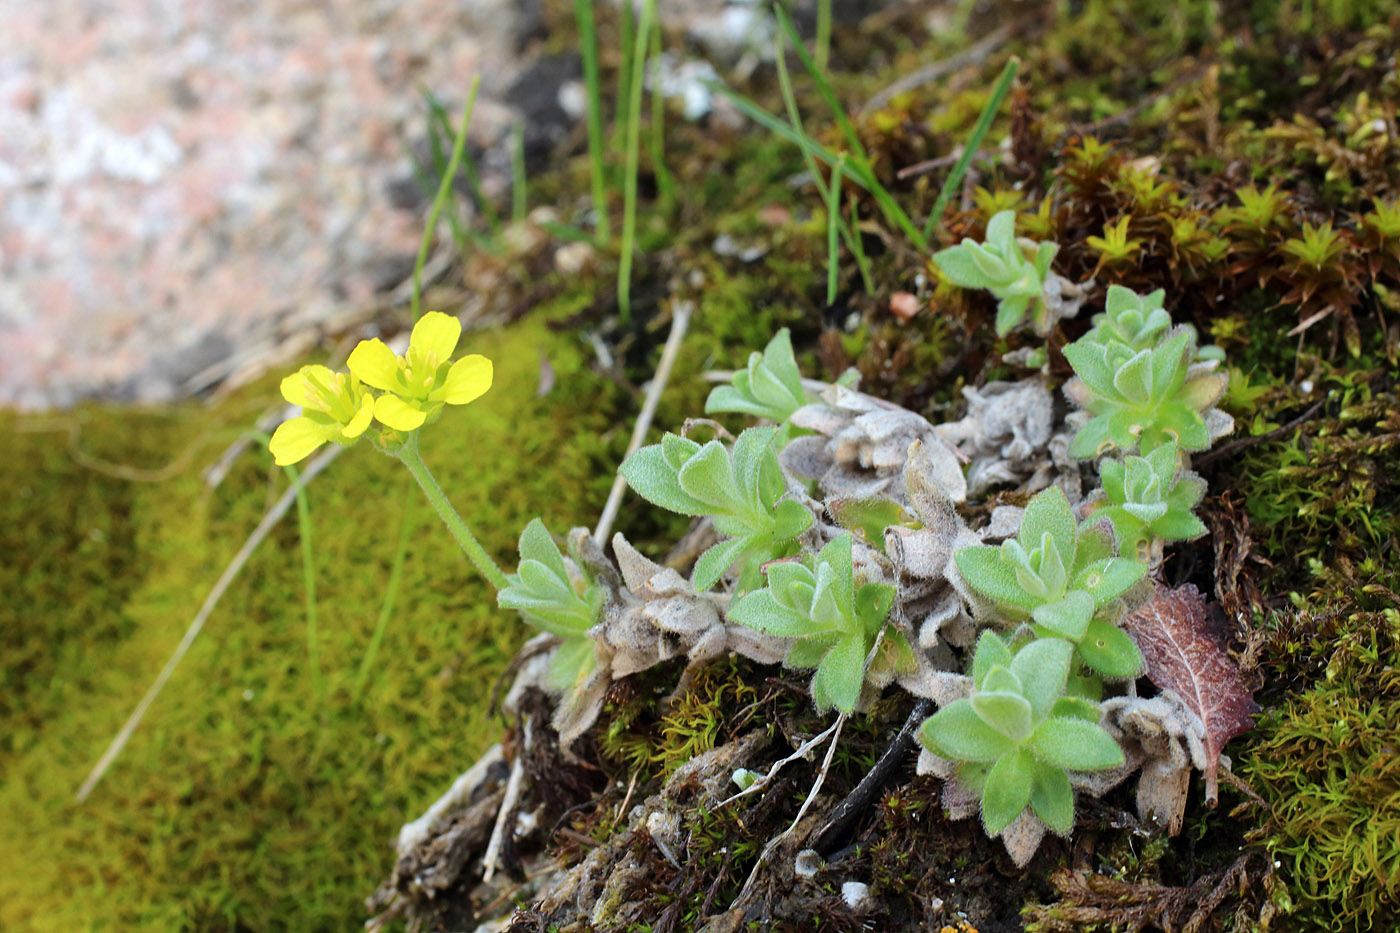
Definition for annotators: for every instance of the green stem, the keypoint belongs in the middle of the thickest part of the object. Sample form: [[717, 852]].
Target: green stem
[[629, 178], [308, 573], [588, 41], [487, 567], [444, 189], [391, 595]]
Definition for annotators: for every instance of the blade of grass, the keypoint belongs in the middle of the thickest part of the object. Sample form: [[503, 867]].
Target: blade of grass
[[859, 164], [629, 192], [795, 117], [588, 41], [858, 248], [308, 579], [428, 175], [391, 592], [833, 224], [626, 26], [974, 142], [468, 168], [848, 130], [665, 184], [459, 145], [270, 519], [517, 172], [823, 43]]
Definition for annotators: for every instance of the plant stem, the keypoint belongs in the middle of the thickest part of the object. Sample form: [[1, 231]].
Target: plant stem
[[444, 189], [391, 594], [588, 41], [308, 575], [629, 178], [465, 539]]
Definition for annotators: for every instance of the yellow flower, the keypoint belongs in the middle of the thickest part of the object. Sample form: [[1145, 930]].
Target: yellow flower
[[421, 381], [335, 407]]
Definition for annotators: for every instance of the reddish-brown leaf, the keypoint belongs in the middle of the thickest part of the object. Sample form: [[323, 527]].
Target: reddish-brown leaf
[[1184, 648]]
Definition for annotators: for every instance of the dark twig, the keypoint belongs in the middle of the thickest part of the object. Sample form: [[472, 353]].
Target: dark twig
[[1245, 443], [858, 801]]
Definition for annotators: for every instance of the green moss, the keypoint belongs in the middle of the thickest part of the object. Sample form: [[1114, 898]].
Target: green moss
[[1328, 766], [243, 802]]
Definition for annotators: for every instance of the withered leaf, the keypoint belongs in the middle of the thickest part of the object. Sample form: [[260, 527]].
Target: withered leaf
[[1185, 653]]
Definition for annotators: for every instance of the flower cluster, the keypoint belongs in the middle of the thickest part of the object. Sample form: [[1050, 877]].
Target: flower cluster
[[338, 407]]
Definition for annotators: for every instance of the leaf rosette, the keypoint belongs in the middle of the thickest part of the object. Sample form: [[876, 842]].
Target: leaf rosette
[[1064, 578], [1014, 270], [743, 490], [1150, 499], [770, 387], [834, 623], [1018, 735]]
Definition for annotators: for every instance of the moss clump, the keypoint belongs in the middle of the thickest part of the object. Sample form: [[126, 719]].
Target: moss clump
[[246, 801], [1328, 763]]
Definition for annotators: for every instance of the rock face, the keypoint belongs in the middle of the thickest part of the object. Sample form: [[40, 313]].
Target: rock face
[[181, 183]]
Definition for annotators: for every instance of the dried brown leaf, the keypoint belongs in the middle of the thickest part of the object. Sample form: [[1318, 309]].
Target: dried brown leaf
[[1185, 653]]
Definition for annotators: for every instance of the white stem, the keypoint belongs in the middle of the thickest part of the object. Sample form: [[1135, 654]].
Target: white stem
[[680, 320]]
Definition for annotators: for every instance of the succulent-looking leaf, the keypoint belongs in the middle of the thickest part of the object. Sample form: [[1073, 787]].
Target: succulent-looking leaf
[[1052, 797], [1007, 790], [1075, 745], [957, 732], [1185, 653]]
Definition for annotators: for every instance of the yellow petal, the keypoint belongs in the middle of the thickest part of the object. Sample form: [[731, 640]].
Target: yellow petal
[[294, 440], [294, 389], [398, 414], [467, 380], [375, 364], [357, 424], [436, 333]]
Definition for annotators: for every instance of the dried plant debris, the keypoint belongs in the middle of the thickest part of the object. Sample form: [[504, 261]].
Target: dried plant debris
[[860, 446], [1186, 658]]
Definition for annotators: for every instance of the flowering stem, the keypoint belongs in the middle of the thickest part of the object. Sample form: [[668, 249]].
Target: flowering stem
[[470, 546]]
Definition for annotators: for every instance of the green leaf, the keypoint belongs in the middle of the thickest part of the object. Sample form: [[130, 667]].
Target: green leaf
[[984, 570], [1069, 617], [1042, 667], [867, 517], [1093, 439], [808, 652], [715, 561], [1105, 580], [759, 610], [536, 543], [1178, 525], [1112, 474], [1052, 798], [1090, 363], [957, 732], [959, 267], [1001, 229], [873, 603], [1010, 312], [677, 450], [1007, 791], [1075, 744], [709, 477], [779, 358], [751, 449], [1006, 712], [1110, 651], [837, 555], [840, 675], [1049, 512], [991, 652], [654, 479], [574, 660], [730, 399], [790, 519], [1076, 708]]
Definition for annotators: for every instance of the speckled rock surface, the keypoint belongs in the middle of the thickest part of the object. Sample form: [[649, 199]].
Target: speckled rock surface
[[178, 179]]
